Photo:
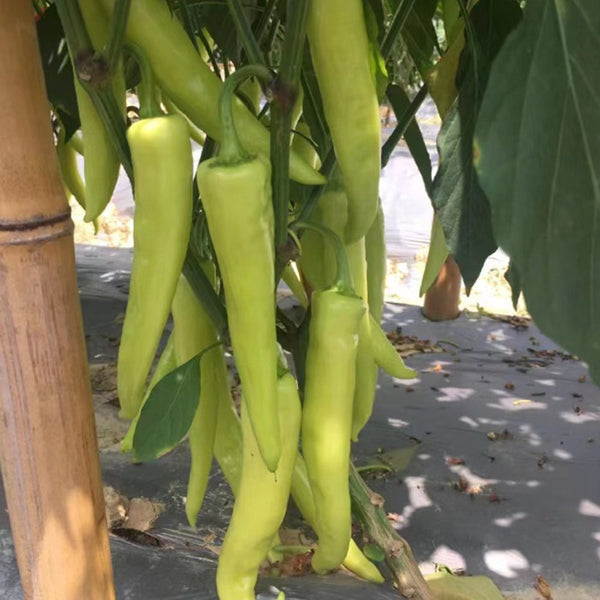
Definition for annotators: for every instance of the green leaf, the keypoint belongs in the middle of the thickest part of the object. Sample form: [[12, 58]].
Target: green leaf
[[374, 552], [312, 107], [167, 415], [539, 162], [419, 34], [457, 197], [58, 72], [376, 60], [413, 137]]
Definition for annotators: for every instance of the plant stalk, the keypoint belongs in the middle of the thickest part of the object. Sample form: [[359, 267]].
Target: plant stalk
[[367, 507]]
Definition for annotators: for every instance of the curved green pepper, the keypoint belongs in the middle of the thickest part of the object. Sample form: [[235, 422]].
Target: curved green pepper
[[355, 560], [193, 332], [67, 161], [188, 81], [101, 163], [317, 260], [327, 419], [236, 195], [339, 47], [239, 212], [162, 165], [376, 264], [261, 500], [366, 368]]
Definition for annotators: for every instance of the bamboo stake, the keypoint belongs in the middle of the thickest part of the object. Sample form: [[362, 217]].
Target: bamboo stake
[[48, 447]]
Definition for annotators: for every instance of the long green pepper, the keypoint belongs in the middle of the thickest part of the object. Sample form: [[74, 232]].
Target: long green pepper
[[162, 165], [339, 47], [236, 195], [261, 499], [193, 332]]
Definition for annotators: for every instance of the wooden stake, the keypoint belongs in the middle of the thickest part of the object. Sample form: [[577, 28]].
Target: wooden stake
[[48, 447]]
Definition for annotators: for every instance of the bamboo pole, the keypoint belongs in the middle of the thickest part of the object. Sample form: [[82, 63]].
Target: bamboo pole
[[48, 447]]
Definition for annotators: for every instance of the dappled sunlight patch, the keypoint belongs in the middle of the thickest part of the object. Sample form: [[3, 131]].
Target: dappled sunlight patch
[[506, 563], [509, 521], [444, 555], [469, 421], [589, 508], [454, 394]]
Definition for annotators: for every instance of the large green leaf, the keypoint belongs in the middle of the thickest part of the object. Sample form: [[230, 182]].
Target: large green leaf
[[457, 197], [539, 162], [58, 71], [167, 415], [419, 34]]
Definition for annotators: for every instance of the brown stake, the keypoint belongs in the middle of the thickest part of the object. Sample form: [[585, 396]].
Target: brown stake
[[48, 447]]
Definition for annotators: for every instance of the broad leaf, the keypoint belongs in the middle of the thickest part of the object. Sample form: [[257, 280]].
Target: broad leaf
[[58, 71], [419, 34], [167, 415], [459, 201], [539, 162]]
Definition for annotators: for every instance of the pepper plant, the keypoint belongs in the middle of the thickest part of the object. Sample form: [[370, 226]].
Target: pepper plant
[[284, 97]]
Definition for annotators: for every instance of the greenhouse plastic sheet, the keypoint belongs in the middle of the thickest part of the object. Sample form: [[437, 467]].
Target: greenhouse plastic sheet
[[504, 478]]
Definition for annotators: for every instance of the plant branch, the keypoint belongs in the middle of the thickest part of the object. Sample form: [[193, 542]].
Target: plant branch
[[245, 32], [118, 24], [284, 97], [367, 507], [263, 23], [404, 121]]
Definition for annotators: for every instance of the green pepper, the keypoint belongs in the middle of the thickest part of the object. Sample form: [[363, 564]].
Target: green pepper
[[101, 163], [69, 172], [236, 195], [355, 561], [188, 81], [339, 47], [193, 332], [327, 413], [366, 368], [376, 264], [261, 499], [292, 280], [162, 164], [317, 260]]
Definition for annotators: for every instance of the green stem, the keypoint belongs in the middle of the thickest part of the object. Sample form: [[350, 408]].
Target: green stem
[[232, 150], [343, 276], [245, 32], [367, 507], [398, 22], [205, 292], [74, 28], [146, 91], [118, 24], [263, 23], [404, 120], [99, 92], [284, 97]]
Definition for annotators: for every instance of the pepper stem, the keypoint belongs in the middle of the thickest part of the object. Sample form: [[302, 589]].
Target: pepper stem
[[343, 277], [232, 150], [146, 90]]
